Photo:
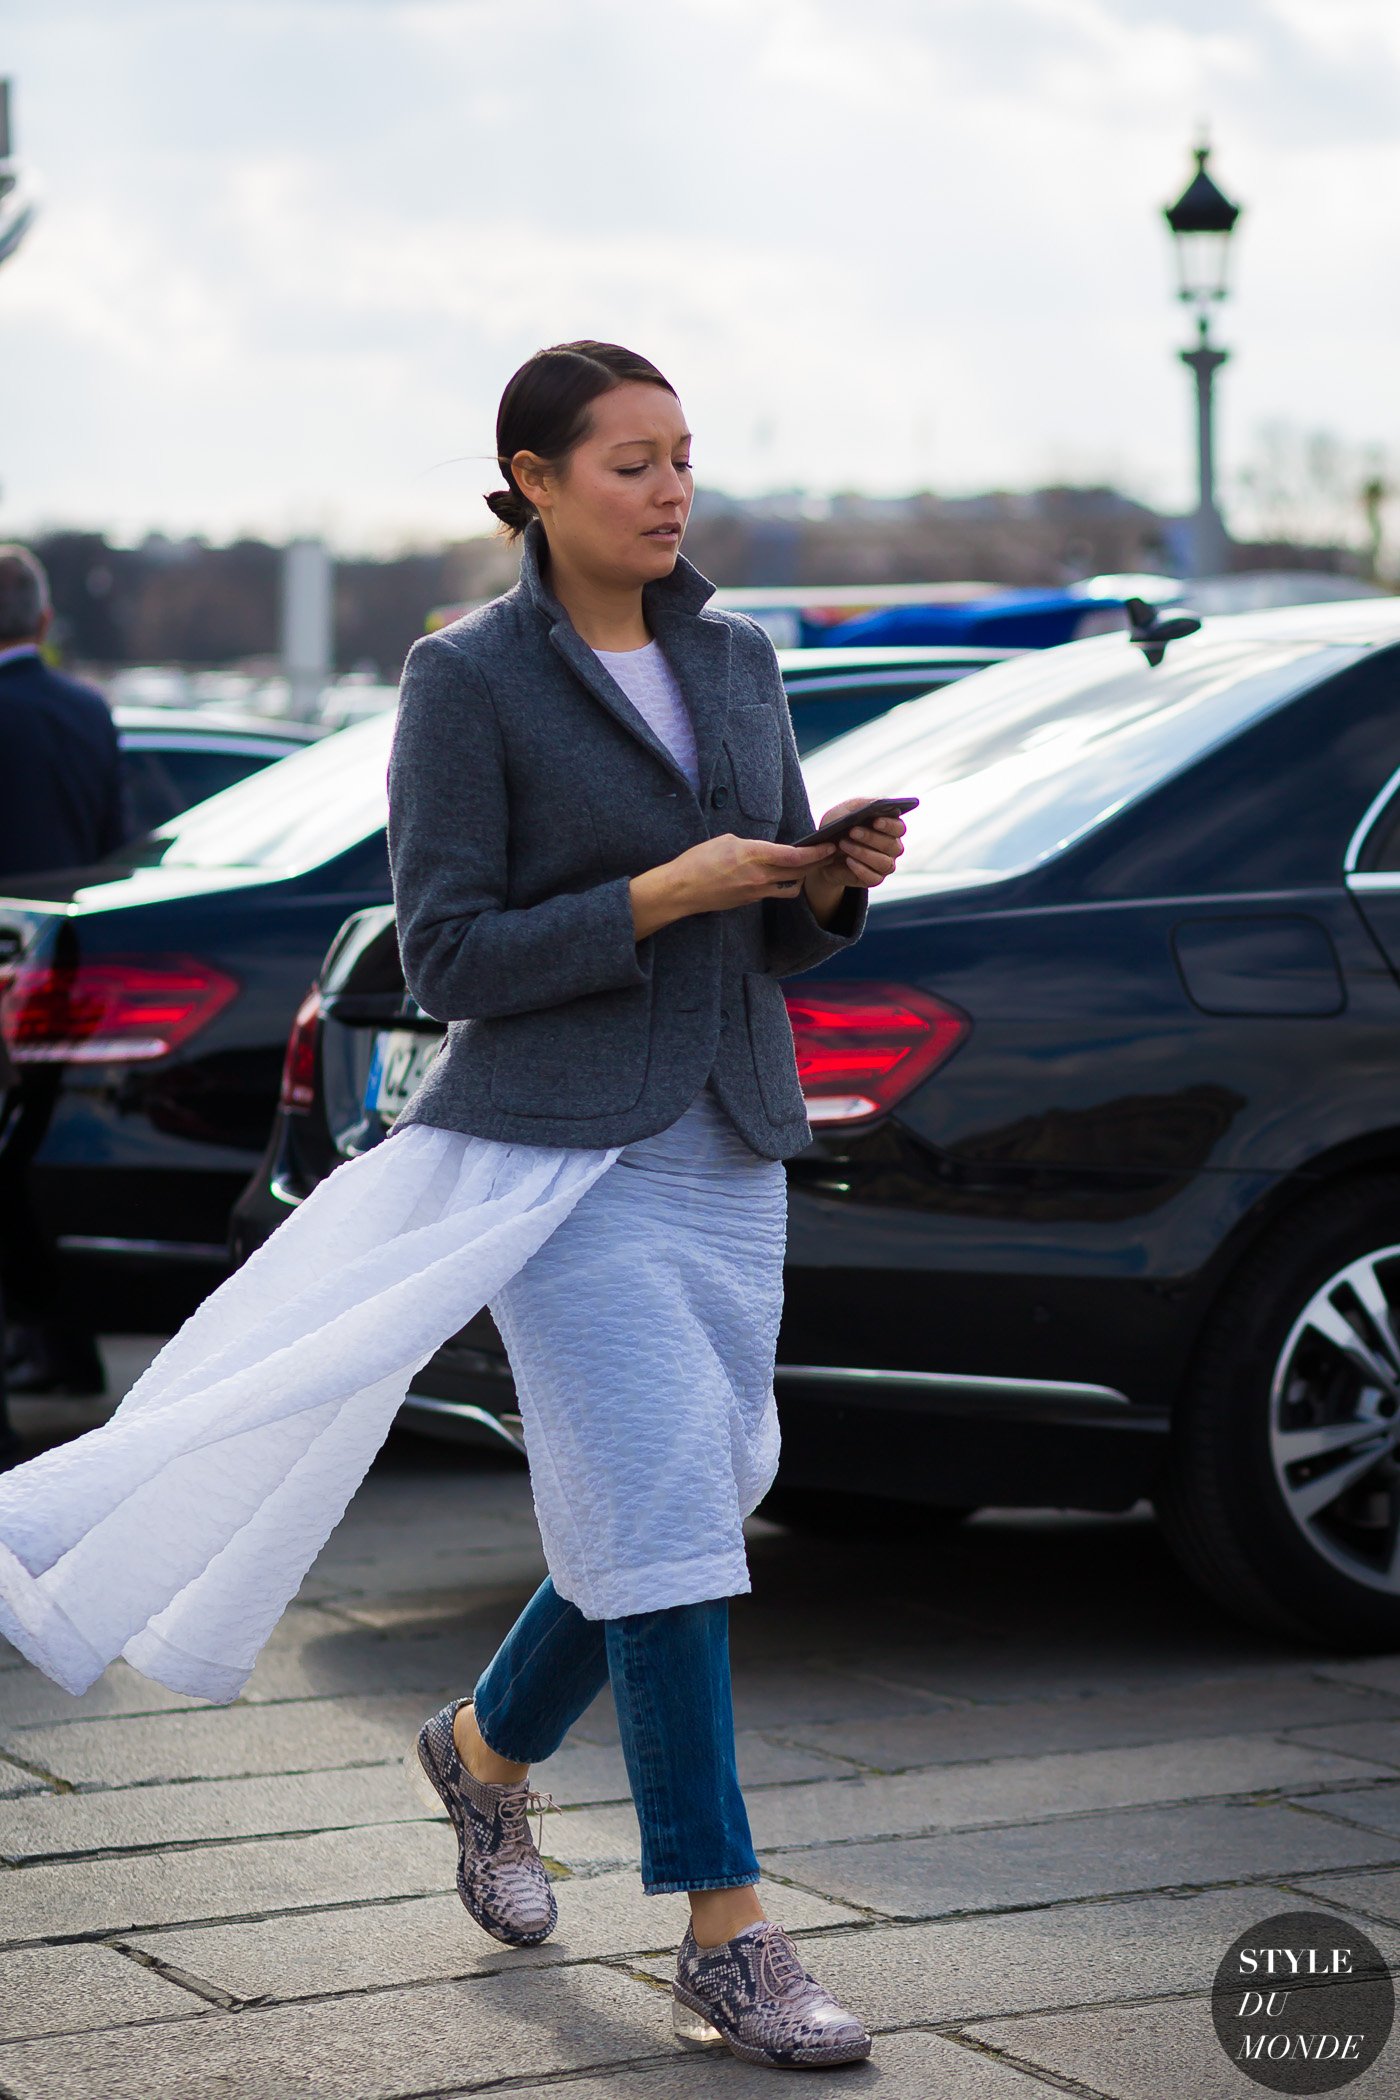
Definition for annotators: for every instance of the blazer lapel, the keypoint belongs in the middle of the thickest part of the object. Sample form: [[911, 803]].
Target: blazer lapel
[[696, 647]]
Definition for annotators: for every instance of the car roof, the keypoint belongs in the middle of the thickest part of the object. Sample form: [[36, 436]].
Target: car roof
[[1364, 622], [215, 723]]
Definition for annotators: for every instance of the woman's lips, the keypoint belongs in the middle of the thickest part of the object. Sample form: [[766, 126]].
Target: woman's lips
[[662, 532]]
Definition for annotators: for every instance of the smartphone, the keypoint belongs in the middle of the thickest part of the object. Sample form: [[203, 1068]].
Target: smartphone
[[888, 806]]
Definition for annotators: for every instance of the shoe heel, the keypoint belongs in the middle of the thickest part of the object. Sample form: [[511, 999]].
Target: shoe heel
[[691, 2027], [420, 1783]]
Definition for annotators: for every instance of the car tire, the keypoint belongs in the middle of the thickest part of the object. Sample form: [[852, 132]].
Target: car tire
[[1281, 1496], [827, 1513]]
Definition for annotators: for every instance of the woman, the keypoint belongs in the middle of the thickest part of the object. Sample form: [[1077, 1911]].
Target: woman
[[588, 783]]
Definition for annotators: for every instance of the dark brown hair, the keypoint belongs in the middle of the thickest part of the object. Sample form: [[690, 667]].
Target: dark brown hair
[[544, 409]]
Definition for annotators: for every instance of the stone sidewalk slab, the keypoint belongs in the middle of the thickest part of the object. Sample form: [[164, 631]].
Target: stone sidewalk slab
[[1147, 2052], [1107, 1721], [434, 1938], [900, 2067], [1378, 1740], [1017, 1790], [28, 1699], [1364, 1895], [439, 2039], [1372, 1807], [225, 1742], [59, 1990], [1380, 1673], [222, 1881], [1101, 1855], [205, 1811]]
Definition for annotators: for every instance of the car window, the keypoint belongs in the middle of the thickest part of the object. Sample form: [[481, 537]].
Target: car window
[[1016, 762], [833, 707], [298, 814], [162, 783]]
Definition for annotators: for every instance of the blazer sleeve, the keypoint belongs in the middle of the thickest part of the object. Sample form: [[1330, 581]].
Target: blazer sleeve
[[467, 954], [794, 937]]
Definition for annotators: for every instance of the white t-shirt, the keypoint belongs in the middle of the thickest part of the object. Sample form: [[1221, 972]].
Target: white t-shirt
[[654, 690]]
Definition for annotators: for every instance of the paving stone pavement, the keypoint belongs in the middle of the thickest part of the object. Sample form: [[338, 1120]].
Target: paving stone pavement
[[1014, 1792]]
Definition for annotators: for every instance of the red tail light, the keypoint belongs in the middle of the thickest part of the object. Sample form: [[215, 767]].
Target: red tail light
[[299, 1064], [862, 1047], [124, 1010]]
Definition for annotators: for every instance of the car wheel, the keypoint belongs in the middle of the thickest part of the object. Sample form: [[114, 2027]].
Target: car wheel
[[1282, 1493], [827, 1513]]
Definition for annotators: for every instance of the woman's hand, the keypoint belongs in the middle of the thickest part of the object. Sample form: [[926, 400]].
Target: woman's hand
[[721, 873], [863, 858]]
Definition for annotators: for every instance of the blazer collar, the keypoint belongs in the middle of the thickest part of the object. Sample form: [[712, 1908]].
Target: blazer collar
[[695, 644]]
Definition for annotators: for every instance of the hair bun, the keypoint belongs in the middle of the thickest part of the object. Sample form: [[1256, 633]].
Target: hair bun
[[511, 508]]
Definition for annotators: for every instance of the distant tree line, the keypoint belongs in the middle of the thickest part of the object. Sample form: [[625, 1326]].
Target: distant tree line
[[186, 602]]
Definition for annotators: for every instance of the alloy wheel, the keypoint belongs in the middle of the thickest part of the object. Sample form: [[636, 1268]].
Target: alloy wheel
[[1334, 1421]]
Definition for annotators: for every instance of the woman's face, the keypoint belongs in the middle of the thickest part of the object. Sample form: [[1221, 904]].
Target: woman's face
[[617, 506]]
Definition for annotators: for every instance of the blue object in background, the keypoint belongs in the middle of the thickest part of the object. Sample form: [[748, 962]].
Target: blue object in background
[[1011, 620]]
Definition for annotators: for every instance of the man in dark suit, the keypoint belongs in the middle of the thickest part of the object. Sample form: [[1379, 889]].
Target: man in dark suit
[[60, 769], [61, 806]]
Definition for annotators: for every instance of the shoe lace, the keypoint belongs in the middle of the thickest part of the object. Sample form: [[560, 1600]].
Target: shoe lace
[[779, 1969], [514, 1810]]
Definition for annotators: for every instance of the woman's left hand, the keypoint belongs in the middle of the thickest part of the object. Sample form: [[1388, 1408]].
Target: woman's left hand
[[864, 857]]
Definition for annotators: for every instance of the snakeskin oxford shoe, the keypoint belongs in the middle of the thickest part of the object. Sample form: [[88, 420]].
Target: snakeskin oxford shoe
[[500, 1875], [753, 1993]]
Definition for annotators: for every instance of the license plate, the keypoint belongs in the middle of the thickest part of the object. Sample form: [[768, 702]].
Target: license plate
[[401, 1059]]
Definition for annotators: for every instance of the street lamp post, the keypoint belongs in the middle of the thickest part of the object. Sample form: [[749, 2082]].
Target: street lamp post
[[1202, 221]]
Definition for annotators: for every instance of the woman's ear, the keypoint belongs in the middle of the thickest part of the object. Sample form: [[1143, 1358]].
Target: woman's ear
[[532, 477]]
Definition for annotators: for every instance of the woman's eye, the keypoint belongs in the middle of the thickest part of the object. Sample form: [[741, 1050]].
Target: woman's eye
[[632, 470]]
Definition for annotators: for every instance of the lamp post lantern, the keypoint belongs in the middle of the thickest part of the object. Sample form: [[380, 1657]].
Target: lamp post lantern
[[1202, 221]]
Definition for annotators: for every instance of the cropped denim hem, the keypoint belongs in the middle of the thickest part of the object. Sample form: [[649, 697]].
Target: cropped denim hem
[[669, 1671], [682, 1888]]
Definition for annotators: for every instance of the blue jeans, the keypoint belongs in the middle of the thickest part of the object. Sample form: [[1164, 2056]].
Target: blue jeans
[[670, 1678]]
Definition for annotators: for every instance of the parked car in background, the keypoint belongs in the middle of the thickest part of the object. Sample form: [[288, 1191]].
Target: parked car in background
[[832, 690], [1103, 1196], [175, 757], [145, 1007], [138, 1136]]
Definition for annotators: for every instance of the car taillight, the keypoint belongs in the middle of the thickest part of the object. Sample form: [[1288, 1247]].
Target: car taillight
[[299, 1064], [123, 1010], [862, 1047]]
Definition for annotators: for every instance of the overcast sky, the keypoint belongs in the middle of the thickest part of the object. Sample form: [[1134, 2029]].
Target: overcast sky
[[290, 250]]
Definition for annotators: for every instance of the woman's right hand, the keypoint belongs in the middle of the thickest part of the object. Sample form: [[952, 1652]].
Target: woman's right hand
[[718, 874]]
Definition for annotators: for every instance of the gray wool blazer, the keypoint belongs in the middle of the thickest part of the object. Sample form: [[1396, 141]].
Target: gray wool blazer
[[525, 790]]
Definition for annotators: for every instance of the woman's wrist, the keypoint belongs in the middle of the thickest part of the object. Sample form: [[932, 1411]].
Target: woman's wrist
[[656, 900], [824, 893]]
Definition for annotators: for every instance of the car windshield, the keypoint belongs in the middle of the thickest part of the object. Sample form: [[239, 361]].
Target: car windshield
[[297, 814], [1016, 762]]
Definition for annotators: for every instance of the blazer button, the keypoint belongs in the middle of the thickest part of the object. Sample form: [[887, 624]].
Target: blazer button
[[719, 798]]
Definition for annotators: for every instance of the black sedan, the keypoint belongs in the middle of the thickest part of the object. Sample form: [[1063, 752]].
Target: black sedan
[[1103, 1199], [149, 999]]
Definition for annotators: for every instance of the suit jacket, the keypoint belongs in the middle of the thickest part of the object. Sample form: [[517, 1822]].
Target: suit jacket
[[62, 803], [525, 790]]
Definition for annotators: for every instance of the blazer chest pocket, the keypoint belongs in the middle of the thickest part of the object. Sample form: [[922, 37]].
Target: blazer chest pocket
[[752, 738]]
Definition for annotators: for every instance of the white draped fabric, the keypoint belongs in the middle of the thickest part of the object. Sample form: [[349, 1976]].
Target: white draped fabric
[[177, 1532]]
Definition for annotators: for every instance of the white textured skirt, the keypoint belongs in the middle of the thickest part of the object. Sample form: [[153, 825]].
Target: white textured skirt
[[637, 1289]]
